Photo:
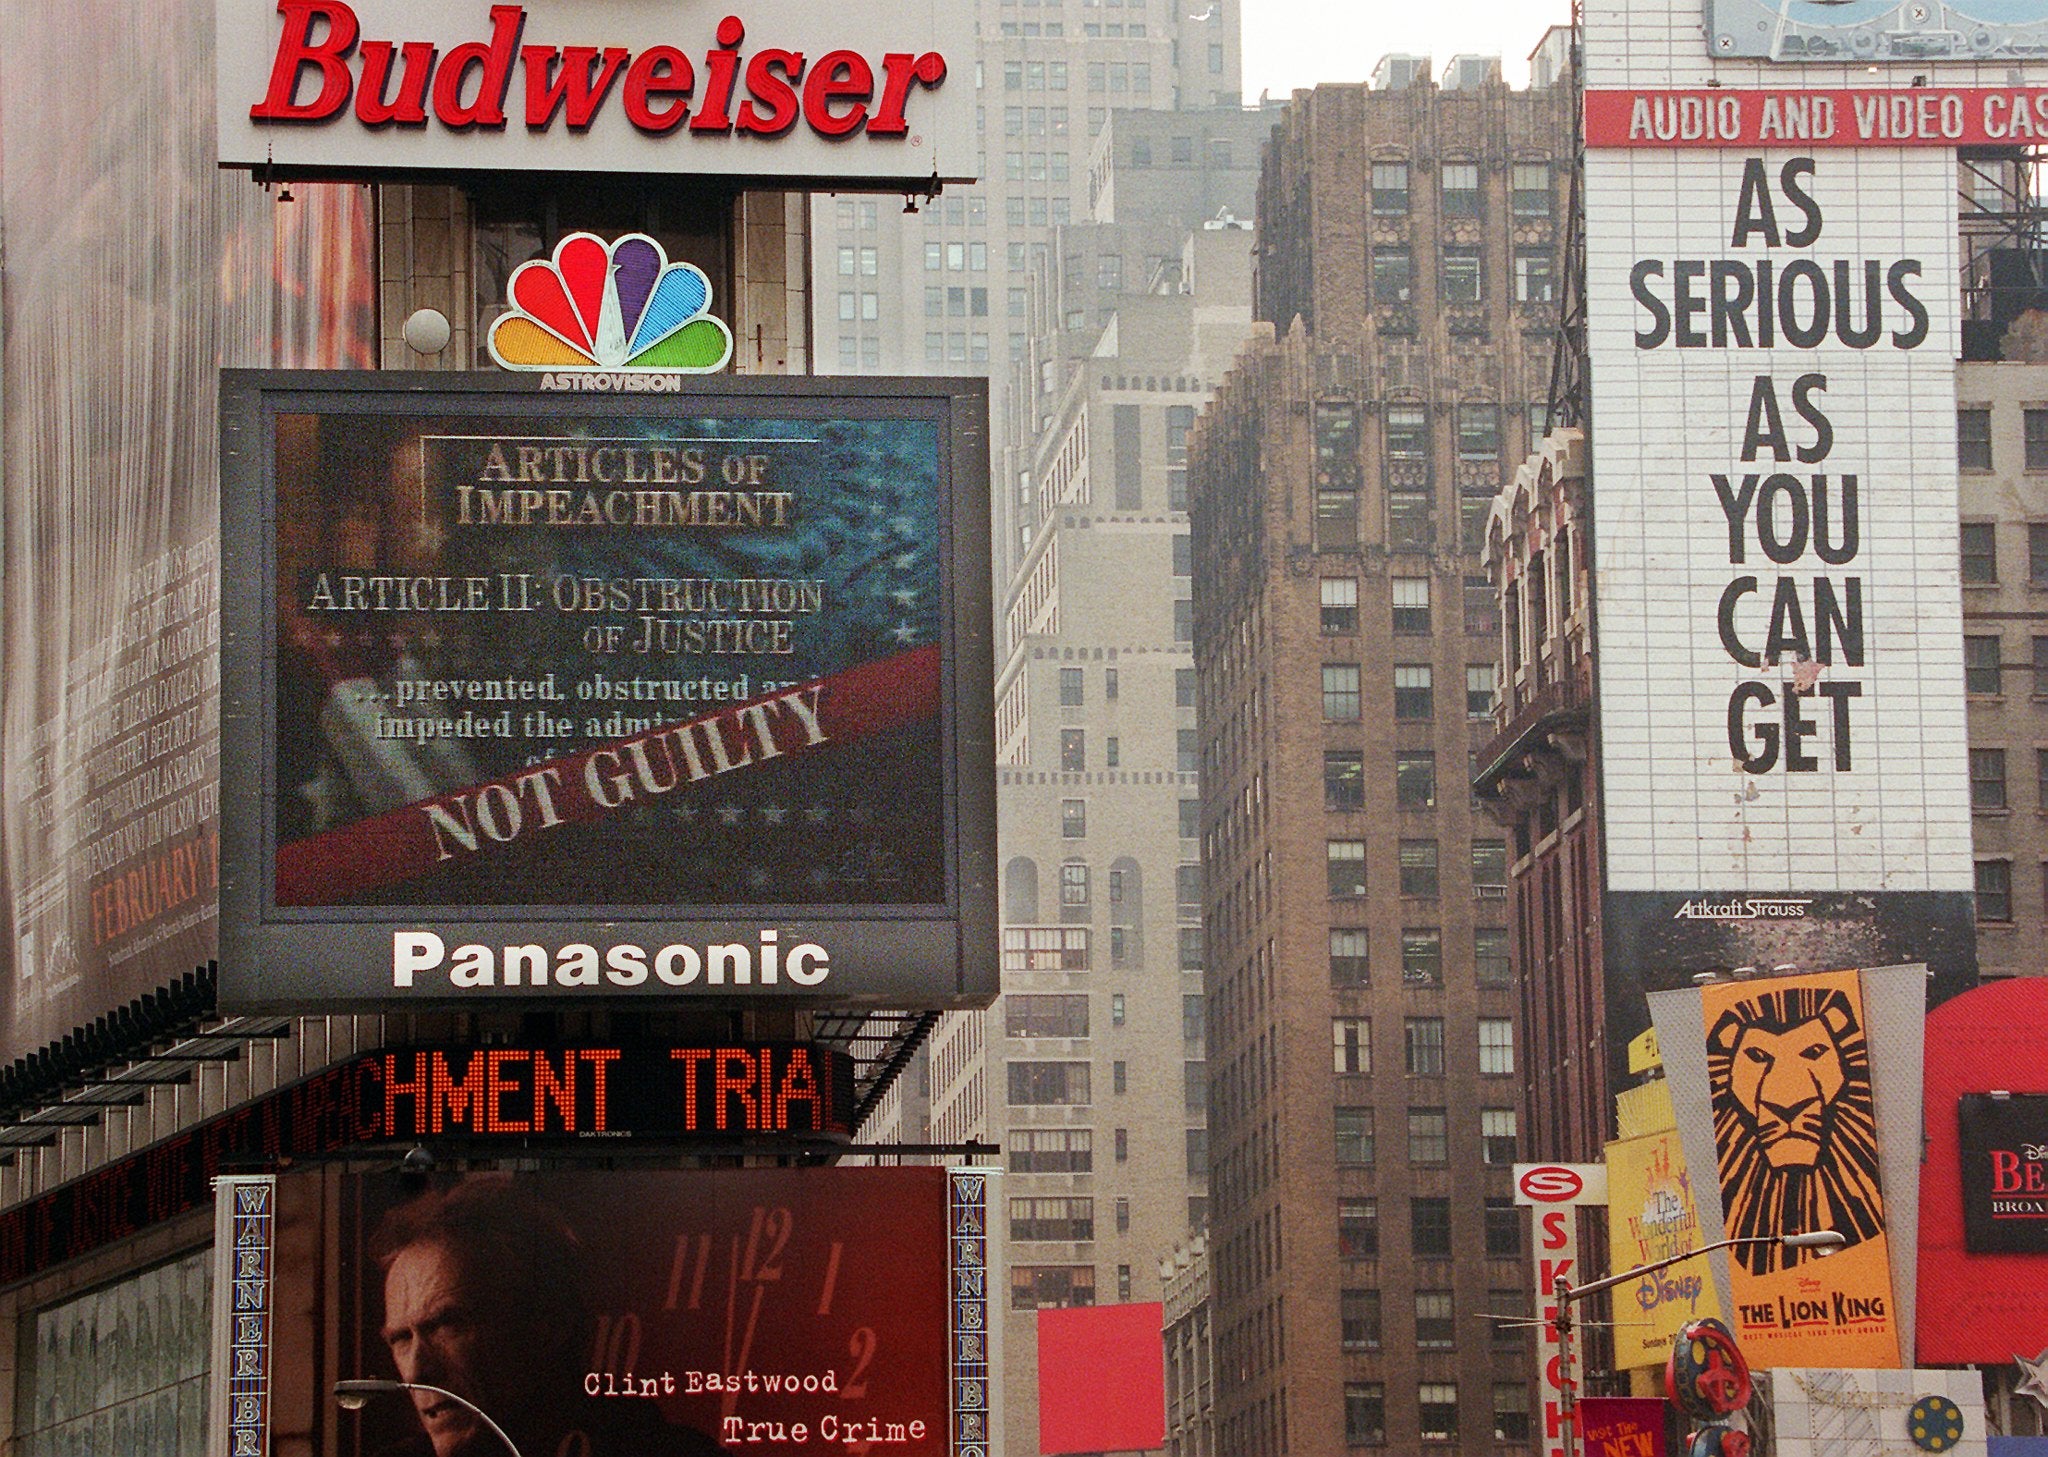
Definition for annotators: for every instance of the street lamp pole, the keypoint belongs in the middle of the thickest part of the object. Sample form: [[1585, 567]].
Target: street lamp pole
[[1565, 1293], [353, 1395]]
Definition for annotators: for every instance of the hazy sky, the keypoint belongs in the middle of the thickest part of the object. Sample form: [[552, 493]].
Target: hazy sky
[[1295, 43]]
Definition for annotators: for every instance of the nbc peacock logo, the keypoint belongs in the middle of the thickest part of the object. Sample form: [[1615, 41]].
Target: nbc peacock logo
[[617, 306]]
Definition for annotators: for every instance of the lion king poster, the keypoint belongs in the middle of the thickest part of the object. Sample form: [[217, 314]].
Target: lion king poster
[[1795, 1139]]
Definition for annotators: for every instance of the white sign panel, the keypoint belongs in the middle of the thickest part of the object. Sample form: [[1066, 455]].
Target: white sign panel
[[1773, 328], [876, 91]]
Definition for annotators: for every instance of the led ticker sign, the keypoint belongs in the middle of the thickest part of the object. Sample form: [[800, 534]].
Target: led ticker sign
[[654, 1090]]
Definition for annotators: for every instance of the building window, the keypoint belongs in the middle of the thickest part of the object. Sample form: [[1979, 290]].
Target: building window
[[1414, 779], [1436, 1321], [1461, 189], [1340, 692], [1351, 1039], [1980, 553], [1482, 608], [1045, 948], [1407, 431], [1389, 188], [1112, 751], [1535, 280], [1049, 1084], [1489, 868], [1187, 751], [1422, 956], [1365, 1414], [2035, 424], [1359, 1319], [1073, 884], [1119, 1077], [1340, 606], [1482, 683], [1411, 604], [1188, 940], [1464, 276], [1051, 1150], [1423, 1038], [1122, 1143], [1358, 1229], [1071, 688], [1429, 1136], [1438, 1407], [1045, 1014], [1479, 432], [1429, 1228], [1073, 819], [1507, 1312], [1193, 1017], [1059, 1218], [1529, 189], [1122, 1209], [1194, 1087], [1994, 890], [1073, 750], [1183, 687], [1346, 861], [1344, 780], [1491, 963], [1184, 620], [1393, 275], [1496, 1045], [1982, 665], [1187, 889], [1503, 1230], [1347, 956], [1190, 819], [1413, 698], [1987, 779], [1354, 1136], [1510, 1412], [1418, 860], [1196, 1153], [1973, 439], [1497, 1135], [1051, 1287]]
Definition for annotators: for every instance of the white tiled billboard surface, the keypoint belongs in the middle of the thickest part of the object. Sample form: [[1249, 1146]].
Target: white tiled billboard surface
[[1683, 811]]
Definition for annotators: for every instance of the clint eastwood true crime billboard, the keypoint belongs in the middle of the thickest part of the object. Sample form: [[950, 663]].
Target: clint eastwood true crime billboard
[[534, 692]]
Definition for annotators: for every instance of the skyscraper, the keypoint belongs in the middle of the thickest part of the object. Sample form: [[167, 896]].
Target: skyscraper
[[1368, 1261]]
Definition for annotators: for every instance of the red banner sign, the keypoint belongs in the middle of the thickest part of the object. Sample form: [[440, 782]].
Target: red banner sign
[[1724, 117]]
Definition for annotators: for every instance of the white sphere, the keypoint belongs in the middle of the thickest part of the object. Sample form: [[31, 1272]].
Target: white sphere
[[427, 331]]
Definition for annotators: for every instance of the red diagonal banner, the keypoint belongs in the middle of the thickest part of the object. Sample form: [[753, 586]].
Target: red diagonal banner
[[452, 828]]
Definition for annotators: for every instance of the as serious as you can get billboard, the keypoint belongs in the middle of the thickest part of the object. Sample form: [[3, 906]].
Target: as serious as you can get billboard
[[1772, 334], [539, 694]]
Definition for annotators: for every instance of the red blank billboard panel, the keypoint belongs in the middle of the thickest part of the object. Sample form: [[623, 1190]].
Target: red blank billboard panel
[[1101, 1379]]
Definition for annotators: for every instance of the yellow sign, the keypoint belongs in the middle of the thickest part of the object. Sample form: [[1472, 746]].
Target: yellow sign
[[1642, 1052], [1795, 1134], [1651, 1215]]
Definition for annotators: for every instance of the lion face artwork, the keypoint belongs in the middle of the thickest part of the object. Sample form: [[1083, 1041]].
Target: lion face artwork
[[1794, 1125]]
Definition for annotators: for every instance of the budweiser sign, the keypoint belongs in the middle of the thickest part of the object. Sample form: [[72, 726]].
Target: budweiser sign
[[846, 94]]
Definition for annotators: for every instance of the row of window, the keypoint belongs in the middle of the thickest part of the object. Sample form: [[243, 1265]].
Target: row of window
[[1365, 1412], [1973, 438], [1361, 1327], [1422, 1048], [1074, 681], [1072, 1085], [1113, 78], [1419, 862], [1429, 1228], [1414, 689], [1429, 1136], [1422, 956], [1984, 666], [1405, 433], [1461, 274], [1979, 540], [1460, 193], [1412, 612], [1065, 1014], [1344, 779]]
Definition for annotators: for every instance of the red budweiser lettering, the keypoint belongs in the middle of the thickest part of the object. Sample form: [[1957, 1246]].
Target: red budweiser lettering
[[323, 62]]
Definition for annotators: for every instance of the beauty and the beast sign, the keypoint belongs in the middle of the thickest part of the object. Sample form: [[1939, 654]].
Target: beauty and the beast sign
[[1795, 1138]]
